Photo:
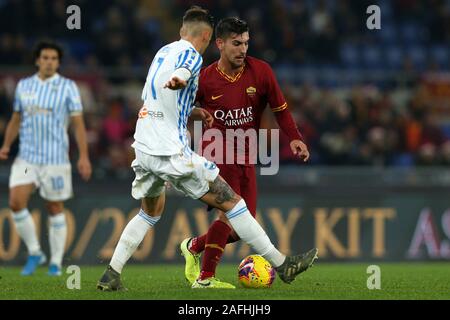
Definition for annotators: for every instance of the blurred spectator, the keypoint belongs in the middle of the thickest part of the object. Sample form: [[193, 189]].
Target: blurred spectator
[[116, 131], [431, 132], [427, 155], [359, 122], [115, 126]]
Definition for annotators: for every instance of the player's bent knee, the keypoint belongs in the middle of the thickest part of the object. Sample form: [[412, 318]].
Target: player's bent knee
[[222, 217], [19, 196], [154, 212], [154, 206], [16, 205], [54, 207]]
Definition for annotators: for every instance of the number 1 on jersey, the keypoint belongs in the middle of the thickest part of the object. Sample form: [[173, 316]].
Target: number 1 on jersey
[[159, 62]]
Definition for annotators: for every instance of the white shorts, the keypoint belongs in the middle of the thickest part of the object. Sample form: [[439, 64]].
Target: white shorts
[[189, 174], [54, 181]]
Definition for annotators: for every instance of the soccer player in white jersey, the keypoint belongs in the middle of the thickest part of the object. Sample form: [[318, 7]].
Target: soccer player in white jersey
[[163, 155], [43, 105]]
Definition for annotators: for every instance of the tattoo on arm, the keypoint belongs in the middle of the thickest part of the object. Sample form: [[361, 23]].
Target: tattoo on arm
[[221, 190]]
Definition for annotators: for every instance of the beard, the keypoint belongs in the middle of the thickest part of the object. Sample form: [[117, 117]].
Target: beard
[[49, 71], [235, 64]]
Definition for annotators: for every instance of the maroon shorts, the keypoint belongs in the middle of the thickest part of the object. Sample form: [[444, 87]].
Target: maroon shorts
[[242, 179]]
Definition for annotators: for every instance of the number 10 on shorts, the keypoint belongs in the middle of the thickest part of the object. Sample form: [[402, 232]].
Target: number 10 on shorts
[[57, 183]]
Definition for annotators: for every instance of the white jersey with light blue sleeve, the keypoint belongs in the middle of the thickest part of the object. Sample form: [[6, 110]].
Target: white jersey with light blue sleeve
[[45, 107], [162, 125]]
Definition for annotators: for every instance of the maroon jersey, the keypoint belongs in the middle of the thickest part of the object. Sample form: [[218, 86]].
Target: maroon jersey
[[238, 103]]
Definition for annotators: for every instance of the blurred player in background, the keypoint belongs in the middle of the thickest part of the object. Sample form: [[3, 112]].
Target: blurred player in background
[[236, 90], [163, 154], [43, 105]]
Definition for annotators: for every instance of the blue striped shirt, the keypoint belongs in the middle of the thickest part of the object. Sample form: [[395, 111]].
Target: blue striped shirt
[[191, 60], [45, 107], [162, 128]]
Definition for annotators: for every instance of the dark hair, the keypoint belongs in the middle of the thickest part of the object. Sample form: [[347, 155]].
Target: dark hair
[[198, 14], [47, 44], [228, 26]]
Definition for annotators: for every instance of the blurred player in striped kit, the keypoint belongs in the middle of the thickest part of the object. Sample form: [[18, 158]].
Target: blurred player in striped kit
[[43, 105]]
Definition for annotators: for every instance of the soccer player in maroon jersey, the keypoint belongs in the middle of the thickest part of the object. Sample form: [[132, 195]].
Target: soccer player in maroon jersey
[[236, 90]]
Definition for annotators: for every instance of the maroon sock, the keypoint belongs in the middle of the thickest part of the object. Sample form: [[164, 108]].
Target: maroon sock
[[233, 237], [197, 244], [216, 239]]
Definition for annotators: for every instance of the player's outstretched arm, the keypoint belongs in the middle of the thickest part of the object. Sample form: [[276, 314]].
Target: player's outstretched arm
[[175, 83], [12, 130], [84, 164], [178, 79]]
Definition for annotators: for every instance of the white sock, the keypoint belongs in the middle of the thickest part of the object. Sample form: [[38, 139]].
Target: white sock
[[57, 238], [249, 230], [27, 231], [131, 237]]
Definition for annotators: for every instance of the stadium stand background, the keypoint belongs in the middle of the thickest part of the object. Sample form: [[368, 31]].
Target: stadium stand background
[[359, 96]]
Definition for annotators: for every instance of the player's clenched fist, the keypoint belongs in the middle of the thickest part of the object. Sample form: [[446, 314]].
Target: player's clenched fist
[[300, 149], [84, 168], [175, 83], [4, 152]]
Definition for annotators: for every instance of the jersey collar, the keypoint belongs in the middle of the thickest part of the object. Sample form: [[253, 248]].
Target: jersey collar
[[51, 79], [228, 77], [189, 44]]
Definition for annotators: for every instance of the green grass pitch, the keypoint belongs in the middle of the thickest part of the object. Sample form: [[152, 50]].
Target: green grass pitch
[[323, 281]]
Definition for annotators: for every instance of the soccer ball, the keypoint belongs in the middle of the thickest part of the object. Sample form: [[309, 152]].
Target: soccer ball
[[256, 272]]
